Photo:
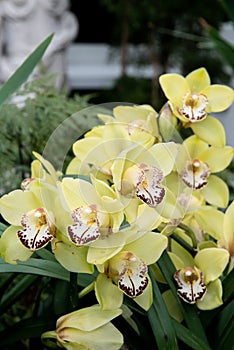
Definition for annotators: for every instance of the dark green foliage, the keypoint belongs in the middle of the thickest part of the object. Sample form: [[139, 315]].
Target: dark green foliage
[[27, 128]]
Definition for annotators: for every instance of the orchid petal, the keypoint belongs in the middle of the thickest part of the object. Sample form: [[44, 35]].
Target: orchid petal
[[212, 262], [72, 258], [213, 297], [37, 230], [198, 79], [86, 227], [191, 284], [228, 229], [217, 158], [205, 218], [15, 204], [210, 130], [106, 336], [220, 97], [149, 247], [145, 299], [11, 249], [88, 318], [174, 86], [107, 293], [216, 192]]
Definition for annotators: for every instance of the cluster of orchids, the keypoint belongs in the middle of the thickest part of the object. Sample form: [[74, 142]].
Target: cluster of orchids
[[134, 189]]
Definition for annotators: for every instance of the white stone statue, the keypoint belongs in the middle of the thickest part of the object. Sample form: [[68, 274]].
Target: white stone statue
[[24, 24]]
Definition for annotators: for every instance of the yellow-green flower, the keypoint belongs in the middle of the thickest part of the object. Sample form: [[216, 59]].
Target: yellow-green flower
[[196, 163], [96, 152], [94, 210], [193, 97], [86, 329], [137, 120], [32, 224], [124, 269], [198, 279]]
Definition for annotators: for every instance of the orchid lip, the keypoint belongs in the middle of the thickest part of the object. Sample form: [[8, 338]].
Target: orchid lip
[[37, 229], [191, 284]]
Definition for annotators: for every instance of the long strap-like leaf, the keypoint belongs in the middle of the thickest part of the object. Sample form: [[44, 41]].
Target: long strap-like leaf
[[23, 72]]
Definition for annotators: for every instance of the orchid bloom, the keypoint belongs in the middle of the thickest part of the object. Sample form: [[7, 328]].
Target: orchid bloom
[[138, 120], [198, 279], [94, 210], [87, 329], [196, 164], [97, 150], [123, 268], [32, 225], [193, 97]]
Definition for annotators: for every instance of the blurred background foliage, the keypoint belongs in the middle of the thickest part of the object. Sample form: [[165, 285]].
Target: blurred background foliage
[[174, 36], [26, 126]]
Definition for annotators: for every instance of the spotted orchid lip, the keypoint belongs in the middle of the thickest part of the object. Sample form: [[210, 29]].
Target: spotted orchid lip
[[37, 229], [191, 284], [86, 227], [195, 174], [144, 180], [194, 107], [132, 278]]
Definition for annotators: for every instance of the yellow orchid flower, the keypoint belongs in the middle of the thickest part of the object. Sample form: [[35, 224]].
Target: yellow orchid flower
[[138, 119], [94, 210], [196, 163], [32, 224], [198, 279], [193, 97], [86, 329], [127, 268], [100, 146]]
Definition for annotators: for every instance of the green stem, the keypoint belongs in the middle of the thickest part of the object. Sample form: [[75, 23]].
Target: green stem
[[73, 291], [86, 290], [190, 233]]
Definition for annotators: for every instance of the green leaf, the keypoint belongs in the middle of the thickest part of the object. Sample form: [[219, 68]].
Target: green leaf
[[38, 267], [160, 320], [16, 291], [189, 338], [24, 71], [29, 328]]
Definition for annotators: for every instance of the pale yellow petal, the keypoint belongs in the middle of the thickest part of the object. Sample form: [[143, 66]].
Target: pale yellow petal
[[105, 337], [88, 318], [17, 203], [210, 130], [146, 298], [161, 155], [174, 87], [216, 192], [107, 293], [198, 79], [149, 247], [228, 228], [220, 97], [217, 158], [195, 146], [11, 249], [213, 296], [205, 218], [71, 257], [212, 262]]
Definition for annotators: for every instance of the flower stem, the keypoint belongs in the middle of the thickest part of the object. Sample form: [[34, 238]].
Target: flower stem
[[73, 292]]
